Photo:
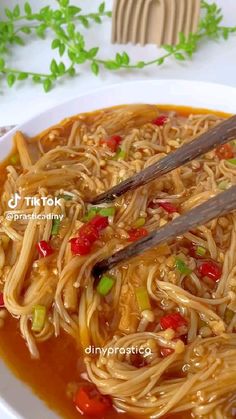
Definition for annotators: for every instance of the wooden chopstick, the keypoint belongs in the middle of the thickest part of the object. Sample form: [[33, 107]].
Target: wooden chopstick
[[221, 204], [220, 134]]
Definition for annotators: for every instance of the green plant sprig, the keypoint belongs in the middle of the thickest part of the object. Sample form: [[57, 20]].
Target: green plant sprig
[[64, 21]]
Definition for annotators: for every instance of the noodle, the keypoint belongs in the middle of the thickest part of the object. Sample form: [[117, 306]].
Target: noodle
[[188, 369]]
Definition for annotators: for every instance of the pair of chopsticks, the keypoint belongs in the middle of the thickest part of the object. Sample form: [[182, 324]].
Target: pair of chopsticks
[[221, 204]]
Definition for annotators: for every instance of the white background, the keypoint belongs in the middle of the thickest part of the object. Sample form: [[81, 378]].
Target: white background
[[214, 62]]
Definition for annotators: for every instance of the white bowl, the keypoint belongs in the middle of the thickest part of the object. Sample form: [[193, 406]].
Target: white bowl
[[16, 399]]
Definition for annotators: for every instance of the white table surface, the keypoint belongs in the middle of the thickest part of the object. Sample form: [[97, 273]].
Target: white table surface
[[214, 62]]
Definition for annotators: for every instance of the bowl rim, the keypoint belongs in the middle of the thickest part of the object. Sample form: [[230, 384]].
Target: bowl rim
[[201, 85]]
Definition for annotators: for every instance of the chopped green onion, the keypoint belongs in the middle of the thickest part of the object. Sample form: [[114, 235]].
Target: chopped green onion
[[14, 159], [223, 185], [90, 214], [182, 267], [105, 285], [65, 197], [232, 161], [107, 212], [200, 251], [120, 154], [55, 227], [139, 222], [142, 299], [39, 317]]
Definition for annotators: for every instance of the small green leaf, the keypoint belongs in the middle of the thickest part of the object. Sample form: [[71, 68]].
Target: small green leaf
[[55, 43], [101, 8], [80, 40], [169, 48], [54, 67], [28, 9], [160, 61], [140, 64], [71, 55], [95, 68], [36, 79], [61, 68], [18, 40], [2, 64], [81, 58], [182, 38], [57, 14], [93, 52], [3, 49], [96, 18], [40, 31], [8, 13], [84, 21], [118, 59], [9, 30], [179, 56], [47, 85], [64, 3], [71, 29], [61, 49], [125, 58], [225, 33], [16, 11], [61, 32], [111, 65], [11, 78], [73, 11], [71, 72], [22, 76], [26, 30]]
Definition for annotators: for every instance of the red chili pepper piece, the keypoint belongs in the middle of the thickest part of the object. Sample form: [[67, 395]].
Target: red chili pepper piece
[[2, 304], [168, 207], [172, 321], [87, 235], [89, 401], [160, 120], [88, 232], [99, 222], [112, 142], [210, 269], [44, 248], [136, 234], [80, 246], [224, 151]]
